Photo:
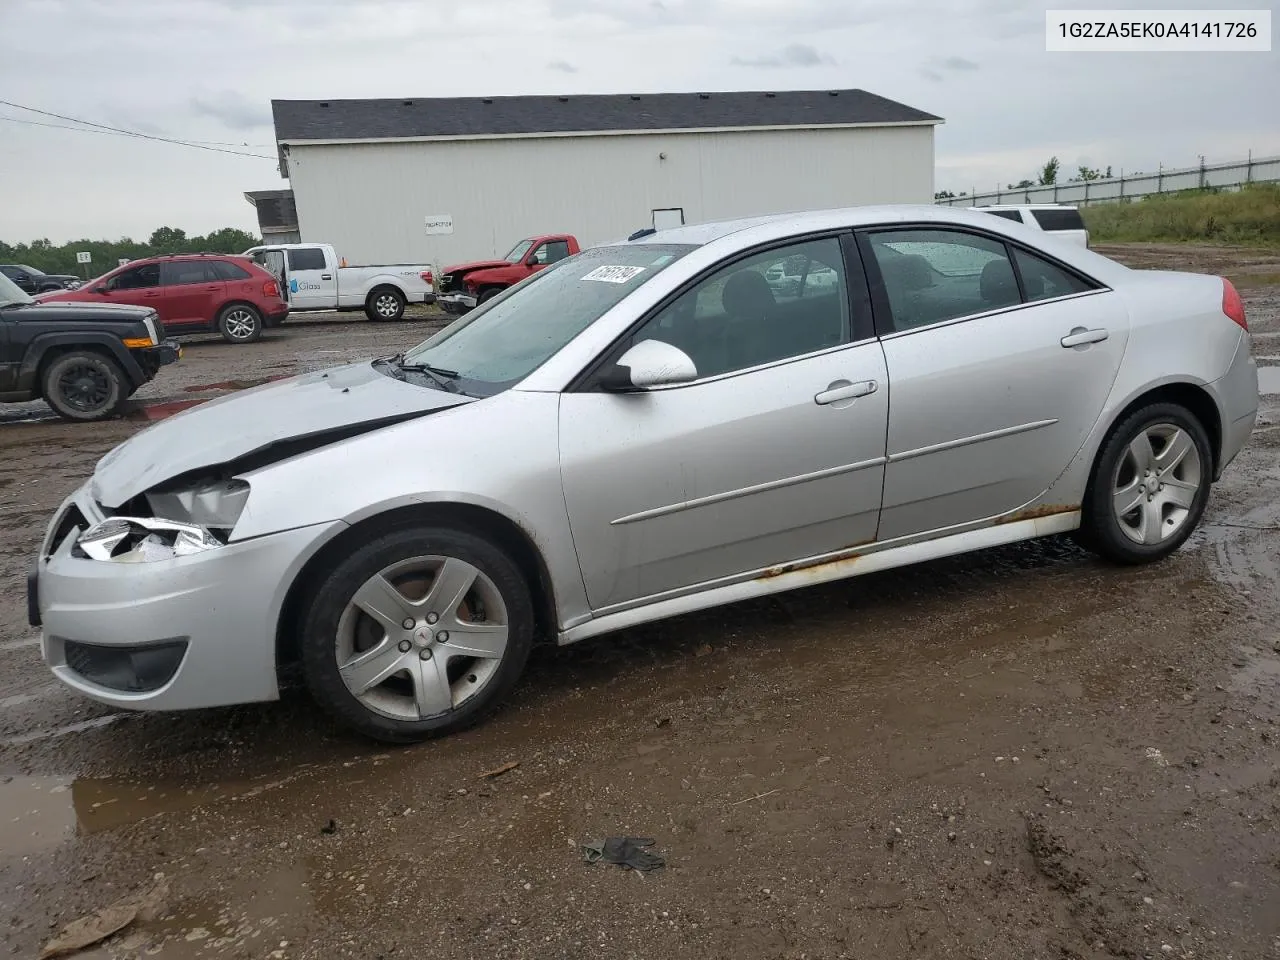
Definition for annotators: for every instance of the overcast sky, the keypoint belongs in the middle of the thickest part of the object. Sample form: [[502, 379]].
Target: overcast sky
[[207, 70]]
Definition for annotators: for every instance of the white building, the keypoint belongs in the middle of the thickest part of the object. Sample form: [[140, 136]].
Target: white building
[[445, 180]]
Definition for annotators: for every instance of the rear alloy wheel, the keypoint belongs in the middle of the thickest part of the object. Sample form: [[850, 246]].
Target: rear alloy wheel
[[1150, 485], [385, 303], [420, 632], [240, 323], [84, 385]]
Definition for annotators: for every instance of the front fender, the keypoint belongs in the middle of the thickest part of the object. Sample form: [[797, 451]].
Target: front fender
[[500, 454], [42, 344]]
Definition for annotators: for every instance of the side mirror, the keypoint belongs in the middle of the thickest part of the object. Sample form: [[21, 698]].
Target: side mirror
[[650, 363]]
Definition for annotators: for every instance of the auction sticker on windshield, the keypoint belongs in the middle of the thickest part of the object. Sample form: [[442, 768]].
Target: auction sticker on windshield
[[613, 274]]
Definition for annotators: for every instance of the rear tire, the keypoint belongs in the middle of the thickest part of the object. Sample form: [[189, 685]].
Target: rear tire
[[403, 684], [240, 323], [84, 385], [1149, 487], [385, 303]]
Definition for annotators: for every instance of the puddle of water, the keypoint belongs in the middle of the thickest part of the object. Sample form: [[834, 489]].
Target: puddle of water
[[42, 812], [1260, 675], [1269, 380], [38, 814]]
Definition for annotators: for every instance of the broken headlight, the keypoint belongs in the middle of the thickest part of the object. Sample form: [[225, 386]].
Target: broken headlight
[[144, 540], [185, 520]]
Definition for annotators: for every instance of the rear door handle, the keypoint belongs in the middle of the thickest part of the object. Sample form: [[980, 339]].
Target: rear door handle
[[844, 390], [1079, 336], [326, 276]]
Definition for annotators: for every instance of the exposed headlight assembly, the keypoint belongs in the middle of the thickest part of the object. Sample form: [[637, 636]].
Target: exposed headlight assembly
[[144, 540], [187, 520]]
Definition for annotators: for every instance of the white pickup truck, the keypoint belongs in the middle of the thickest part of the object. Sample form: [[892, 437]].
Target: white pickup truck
[[314, 277], [1055, 219]]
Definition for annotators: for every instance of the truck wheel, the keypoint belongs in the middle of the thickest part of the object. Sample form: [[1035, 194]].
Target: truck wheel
[[84, 385], [240, 323], [488, 295], [385, 303]]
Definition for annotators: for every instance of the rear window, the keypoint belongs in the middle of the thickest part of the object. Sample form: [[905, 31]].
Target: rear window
[[307, 258], [1066, 219], [226, 270], [1013, 215]]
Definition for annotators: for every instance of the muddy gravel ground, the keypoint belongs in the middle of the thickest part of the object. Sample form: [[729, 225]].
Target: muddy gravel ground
[[1022, 753]]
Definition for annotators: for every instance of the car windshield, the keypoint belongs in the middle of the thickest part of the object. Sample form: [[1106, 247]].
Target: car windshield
[[518, 251], [32, 271], [11, 293], [502, 342]]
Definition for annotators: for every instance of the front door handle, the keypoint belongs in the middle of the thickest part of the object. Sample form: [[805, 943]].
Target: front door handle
[[1079, 336], [326, 276], [844, 390]]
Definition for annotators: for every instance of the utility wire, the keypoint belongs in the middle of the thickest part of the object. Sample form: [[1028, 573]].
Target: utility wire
[[104, 128], [113, 133]]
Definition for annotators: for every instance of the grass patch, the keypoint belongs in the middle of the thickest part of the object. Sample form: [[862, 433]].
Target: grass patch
[[1249, 217]]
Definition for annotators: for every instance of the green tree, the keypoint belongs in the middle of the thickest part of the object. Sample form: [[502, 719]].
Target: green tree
[[943, 195], [1049, 173], [43, 255]]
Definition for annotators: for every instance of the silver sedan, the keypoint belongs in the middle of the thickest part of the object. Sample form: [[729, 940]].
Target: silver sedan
[[642, 430]]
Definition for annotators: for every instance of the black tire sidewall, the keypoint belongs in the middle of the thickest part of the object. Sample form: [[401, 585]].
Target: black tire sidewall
[[1101, 529], [487, 295], [222, 323], [110, 367], [372, 309], [333, 590]]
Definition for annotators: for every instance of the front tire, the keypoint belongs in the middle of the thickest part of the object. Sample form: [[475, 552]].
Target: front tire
[[385, 303], [240, 323], [1150, 485], [84, 385], [488, 295], [421, 632]]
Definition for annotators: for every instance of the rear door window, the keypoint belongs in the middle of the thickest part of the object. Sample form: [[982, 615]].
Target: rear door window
[[226, 270], [183, 272], [1043, 280], [1014, 215], [306, 258], [935, 275], [1067, 218]]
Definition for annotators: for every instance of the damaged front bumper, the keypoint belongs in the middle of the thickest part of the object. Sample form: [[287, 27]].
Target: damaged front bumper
[[193, 629], [456, 302]]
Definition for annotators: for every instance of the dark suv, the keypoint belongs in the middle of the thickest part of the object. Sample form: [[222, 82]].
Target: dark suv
[[192, 293], [31, 280], [85, 360]]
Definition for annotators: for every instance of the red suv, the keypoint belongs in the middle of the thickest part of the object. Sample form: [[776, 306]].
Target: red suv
[[192, 293]]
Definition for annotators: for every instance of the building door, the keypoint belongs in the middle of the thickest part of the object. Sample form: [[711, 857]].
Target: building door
[[668, 218]]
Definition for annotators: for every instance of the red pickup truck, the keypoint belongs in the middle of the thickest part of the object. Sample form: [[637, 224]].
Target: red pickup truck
[[465, 285]]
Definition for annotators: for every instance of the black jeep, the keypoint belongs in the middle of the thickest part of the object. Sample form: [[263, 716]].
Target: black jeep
[[84, 359]]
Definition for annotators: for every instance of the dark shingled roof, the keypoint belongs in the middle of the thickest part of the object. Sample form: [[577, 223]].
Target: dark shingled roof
[[488, 116]]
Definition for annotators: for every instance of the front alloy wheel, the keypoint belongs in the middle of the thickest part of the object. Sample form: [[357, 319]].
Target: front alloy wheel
[[421, 631], [422, 637]]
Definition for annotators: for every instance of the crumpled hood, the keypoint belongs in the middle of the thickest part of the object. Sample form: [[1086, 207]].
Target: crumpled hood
[[244, 423], [477, 265]]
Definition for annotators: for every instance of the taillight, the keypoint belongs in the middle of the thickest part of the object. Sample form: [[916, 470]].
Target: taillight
[[428, 277], [271, 289], [1232, 305]]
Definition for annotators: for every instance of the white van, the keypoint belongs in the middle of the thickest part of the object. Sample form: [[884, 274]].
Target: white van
[[1054, 218]]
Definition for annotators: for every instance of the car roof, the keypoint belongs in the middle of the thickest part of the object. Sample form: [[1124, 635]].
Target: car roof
[[1026, 206], [841, 217]]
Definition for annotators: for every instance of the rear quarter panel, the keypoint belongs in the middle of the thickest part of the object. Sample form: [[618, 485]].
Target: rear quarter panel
[[1177, 335]]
